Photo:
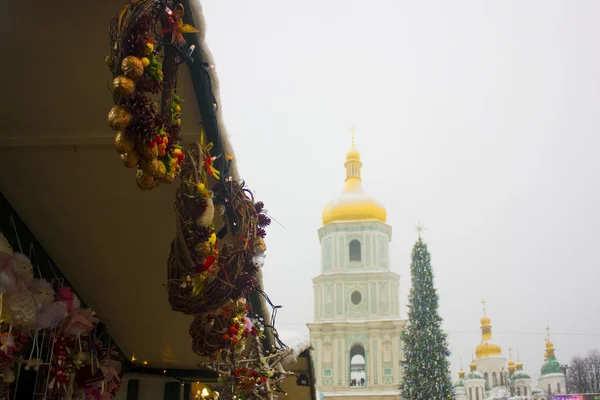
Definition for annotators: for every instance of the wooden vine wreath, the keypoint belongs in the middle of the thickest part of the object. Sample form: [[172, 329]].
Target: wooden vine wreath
[[218, 247], [144, 64]]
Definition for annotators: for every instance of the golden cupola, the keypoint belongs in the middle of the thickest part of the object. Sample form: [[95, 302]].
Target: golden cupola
[[487, 348], [354, 204]]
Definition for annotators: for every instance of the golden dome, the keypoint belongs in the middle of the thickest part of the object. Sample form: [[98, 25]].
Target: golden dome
[[511, 363], [487, 348], [354, 204]]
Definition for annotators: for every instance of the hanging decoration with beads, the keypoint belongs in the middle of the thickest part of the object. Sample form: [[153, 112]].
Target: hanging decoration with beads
[[144, 64], [43, 326]]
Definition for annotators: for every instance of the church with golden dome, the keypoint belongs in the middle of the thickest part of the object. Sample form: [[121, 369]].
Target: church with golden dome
[[494, 376], [355, 335]]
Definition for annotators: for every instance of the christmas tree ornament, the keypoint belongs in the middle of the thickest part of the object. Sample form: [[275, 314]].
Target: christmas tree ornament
[[118, 118], [144, 181], [123, 85], [132, 67], [123, 143], [130, 159]]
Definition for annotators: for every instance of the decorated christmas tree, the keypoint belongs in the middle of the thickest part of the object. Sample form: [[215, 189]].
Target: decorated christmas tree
[[426, 366]]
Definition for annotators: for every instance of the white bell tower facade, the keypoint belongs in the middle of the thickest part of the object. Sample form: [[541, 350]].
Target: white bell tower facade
[[356, 333]]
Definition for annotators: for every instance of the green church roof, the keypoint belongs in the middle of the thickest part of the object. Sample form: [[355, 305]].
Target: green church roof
[[519, 375], [459, 384], [474, 375], [552, 366]]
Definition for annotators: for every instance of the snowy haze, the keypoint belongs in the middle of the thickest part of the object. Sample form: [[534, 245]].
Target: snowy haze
[[479, 119]]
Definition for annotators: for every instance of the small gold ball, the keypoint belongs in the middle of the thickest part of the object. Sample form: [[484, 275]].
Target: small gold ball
[[144, 181], [132, 67], [118, 118], [123, 144], [130, 159], [150, 167], [123, 85]]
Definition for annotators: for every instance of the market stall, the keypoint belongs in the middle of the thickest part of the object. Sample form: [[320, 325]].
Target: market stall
[[159, 265]]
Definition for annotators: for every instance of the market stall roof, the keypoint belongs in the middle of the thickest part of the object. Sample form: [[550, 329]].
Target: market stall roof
[[62, 175]]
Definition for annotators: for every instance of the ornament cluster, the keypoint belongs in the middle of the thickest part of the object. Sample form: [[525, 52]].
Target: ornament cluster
[[32, 310], [147, 135]]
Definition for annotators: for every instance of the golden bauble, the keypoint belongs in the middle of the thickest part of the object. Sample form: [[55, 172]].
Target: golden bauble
[[123, 144], [143, 180], [130, 159], [118, 118], [132, 67], [203, 249], [123, 85], [147, 152], [150, 167]]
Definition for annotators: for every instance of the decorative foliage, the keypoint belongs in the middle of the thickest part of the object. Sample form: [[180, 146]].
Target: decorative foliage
[[148, 137], [426, 365]]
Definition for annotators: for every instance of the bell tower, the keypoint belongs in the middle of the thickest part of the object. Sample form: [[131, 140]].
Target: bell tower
[[356, 333]]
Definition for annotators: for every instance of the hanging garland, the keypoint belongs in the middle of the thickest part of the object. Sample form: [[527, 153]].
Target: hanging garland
[[148, 136]]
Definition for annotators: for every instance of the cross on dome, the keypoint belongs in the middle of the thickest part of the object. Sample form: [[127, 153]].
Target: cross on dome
[[483, 303]]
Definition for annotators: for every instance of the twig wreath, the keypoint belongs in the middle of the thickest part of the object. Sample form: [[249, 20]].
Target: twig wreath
[[219, 246], [148, 136]]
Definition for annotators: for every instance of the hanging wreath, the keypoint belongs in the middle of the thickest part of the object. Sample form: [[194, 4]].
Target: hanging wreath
[[144, 64], [219, 244]]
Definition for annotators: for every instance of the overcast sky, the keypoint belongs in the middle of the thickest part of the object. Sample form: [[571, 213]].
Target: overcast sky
[[479, 119]]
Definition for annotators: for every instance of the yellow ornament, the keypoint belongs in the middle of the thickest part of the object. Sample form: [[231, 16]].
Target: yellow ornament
[[199, 284], [123, 144], [132, 67], [143, 180], [212, 239], [118, 118], [162, 169], [201, 187], [130, 159], [149, 48], [177, 109], [123, 85], [145, 62]]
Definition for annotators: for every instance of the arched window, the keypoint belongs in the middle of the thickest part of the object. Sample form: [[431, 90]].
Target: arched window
[[487, 380], [549, 389], [502, 378], [476, 393], [355, 250], [470, 393], [525, 391], [558, 388], [518, 391], [358, 367], [494, 379]]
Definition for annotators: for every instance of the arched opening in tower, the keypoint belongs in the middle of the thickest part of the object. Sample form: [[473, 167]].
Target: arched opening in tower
[[355, 250], [358, 371]]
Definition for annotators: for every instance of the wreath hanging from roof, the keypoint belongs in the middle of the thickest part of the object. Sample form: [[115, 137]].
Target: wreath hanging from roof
[[144, 62]]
